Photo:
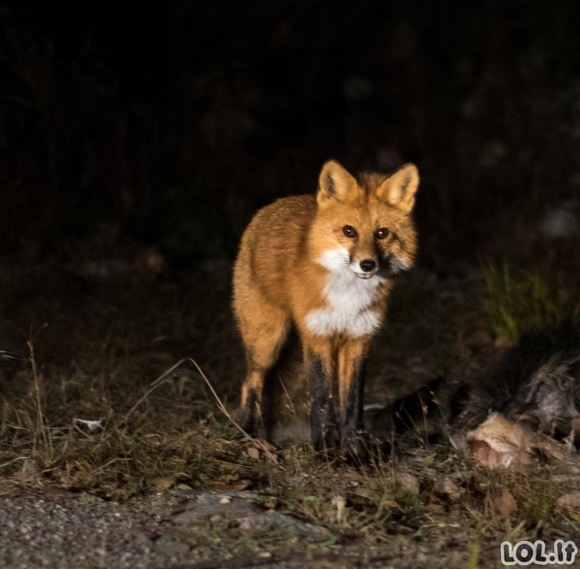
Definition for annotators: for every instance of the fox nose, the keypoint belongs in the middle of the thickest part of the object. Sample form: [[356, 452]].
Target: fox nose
[[367, 265]]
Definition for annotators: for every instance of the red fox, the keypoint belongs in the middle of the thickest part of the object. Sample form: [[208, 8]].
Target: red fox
[[323, 266]]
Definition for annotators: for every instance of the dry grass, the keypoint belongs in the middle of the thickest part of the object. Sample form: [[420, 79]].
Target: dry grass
[[97, 361]]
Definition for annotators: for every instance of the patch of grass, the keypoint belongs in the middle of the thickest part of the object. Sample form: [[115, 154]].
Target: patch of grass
[[95, 361], [516, 302], [98, 360]]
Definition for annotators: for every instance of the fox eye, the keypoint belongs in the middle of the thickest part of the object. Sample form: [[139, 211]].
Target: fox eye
[[382, 233], [349, 231]]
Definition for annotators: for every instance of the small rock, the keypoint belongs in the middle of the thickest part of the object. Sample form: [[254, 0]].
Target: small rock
[[409, 483], [269, 522], [164, 511], [171, 546], [197, 513]]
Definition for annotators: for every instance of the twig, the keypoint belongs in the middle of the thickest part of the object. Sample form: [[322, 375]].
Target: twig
[[5, 464], [37, 388], [11, 356], [163, 378]]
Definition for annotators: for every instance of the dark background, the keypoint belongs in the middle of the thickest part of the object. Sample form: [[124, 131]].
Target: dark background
[[133, 124]]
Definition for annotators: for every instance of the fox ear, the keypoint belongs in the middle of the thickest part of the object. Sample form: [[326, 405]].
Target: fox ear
[[399, 189], [334, 183]]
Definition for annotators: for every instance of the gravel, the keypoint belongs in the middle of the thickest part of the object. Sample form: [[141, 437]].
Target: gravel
[[42, 529]]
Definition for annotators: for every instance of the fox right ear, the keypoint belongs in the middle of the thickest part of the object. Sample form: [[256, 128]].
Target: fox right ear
[[334, 183], [400, 188]]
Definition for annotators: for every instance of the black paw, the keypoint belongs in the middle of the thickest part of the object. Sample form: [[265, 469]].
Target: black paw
[[328, 441], [355, 447], [247, 419]]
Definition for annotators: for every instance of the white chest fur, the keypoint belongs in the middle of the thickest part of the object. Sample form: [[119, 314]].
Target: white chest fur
[[348, 300]]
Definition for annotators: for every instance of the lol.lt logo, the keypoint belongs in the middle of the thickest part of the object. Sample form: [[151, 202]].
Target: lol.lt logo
[[526, 552]]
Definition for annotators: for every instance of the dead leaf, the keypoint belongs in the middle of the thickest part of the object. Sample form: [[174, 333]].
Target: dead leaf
[[224, 486], [505, 505], [271, 457], [479, 450], [364, 493], [163, 483], [571, 502], [263, 444], [253, 453], [448, 487], [434, 506], [339, 503], [118, 493], [501, 442], [268, 449], [82, 478]]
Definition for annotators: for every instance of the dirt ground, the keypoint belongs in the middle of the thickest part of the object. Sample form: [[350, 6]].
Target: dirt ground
[[165, 480], [183, 528]]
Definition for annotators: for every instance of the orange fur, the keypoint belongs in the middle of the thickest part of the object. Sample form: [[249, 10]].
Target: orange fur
[[300, 266]]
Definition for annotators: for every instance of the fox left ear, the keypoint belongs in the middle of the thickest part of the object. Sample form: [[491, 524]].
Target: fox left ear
[[335, 184], [399, 189]]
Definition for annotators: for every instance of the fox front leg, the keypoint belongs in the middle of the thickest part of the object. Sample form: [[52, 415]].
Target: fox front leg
[[324, 428], [351, 376]]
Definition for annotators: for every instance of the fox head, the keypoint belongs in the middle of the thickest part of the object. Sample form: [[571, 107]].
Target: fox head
[[364, 225]]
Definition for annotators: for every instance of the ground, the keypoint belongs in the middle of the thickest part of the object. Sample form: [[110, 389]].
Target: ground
[[166, 480]]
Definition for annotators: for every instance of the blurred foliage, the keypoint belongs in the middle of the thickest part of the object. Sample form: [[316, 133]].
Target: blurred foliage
[[175, 121], [517, 302]]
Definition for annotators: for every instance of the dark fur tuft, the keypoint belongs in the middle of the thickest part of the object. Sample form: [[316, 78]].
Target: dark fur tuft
[[537, 381]]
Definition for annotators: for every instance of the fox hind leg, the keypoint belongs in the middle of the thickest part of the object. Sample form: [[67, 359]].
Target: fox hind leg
[[264, 335]]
